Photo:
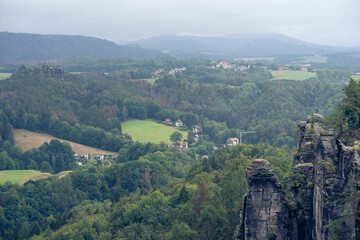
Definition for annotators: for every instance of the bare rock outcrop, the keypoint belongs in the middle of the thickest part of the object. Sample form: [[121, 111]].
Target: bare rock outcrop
[[321, 171], [323, 194], [264, 214]]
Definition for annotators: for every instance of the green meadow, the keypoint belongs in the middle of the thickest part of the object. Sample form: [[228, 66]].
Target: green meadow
[[149, 131], [18, 176], [150, 80], [292, 75], [5, 75], [22, 176], [313, 59]]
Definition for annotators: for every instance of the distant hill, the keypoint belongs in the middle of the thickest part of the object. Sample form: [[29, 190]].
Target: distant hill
[[235, 45], [24, 47]]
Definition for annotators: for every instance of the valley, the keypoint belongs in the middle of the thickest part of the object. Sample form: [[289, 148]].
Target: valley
[[176, 146]]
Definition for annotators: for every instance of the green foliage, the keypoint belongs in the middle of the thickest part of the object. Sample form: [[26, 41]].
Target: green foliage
[[181, 231], [87, 135], [54, 157], [336, 121], [176, 136], [333, 76], [351, 103], [153, 194], [329, 167], [262, 101]]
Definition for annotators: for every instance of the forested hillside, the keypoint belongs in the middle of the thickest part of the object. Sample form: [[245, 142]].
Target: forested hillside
[[47, 99], [149, 197], [25, 48], [248, 100], [234, 46], [151, 191]]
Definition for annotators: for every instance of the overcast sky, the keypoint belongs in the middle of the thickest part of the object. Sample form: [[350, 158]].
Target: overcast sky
[[331, 22]]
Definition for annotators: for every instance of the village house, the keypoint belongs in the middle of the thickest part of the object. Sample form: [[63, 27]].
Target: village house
[[242, 68], [175, 70], [197, 129], [183, 145], [162, 143], [85, 156], [156, 73], [232, 141], [179, 123], [167, 121], [196, 138], [100, 157]]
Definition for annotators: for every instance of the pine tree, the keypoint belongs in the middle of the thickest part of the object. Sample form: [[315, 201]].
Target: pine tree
[[352, 103]]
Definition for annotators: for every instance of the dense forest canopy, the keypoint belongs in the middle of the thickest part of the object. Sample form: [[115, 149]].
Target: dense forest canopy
[[152, 191], [243, 100]]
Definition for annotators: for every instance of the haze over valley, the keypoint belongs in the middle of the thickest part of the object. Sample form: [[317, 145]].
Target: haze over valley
[[178, 120]]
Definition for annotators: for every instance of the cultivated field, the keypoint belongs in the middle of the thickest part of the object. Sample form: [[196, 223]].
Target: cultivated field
[[150, 80], [5, 75], [27, 140], [292, 75], [356, 77], [313, 59], [255, 59], [22, 176], [149, 131]]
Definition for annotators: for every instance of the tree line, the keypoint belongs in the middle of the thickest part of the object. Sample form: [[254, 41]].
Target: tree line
[[153, 194]]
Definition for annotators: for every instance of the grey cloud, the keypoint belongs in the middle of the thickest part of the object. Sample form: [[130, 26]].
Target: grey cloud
[[331, 22]]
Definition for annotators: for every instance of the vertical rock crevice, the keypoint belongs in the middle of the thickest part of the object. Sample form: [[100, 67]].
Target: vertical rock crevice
[[320, 174], [265, 213]]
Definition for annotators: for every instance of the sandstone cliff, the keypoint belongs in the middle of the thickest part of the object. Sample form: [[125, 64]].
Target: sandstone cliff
[[322, 197], [264, 213]]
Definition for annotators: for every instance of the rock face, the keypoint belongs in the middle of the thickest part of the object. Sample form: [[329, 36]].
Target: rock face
[[264, 214], [53, 71], [319, 204]]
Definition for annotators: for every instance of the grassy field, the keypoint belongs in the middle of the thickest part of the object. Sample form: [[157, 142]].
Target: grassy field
[[255, 59], [27, 140], [22, 176], [313, 59], [356, 77], [292, 75], [150, 80], [5, 75], [149, 131]]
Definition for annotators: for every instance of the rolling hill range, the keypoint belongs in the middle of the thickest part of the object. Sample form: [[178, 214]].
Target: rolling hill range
[[236, 45], [24, 47]]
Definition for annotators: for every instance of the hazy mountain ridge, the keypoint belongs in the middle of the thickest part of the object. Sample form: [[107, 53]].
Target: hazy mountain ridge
[[25, 47], [235, 45]]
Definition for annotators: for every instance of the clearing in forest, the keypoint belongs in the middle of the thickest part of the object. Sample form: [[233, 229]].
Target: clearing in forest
[[22, 176], [292, 75], [149, 131], [26, 140], [5, 75]]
